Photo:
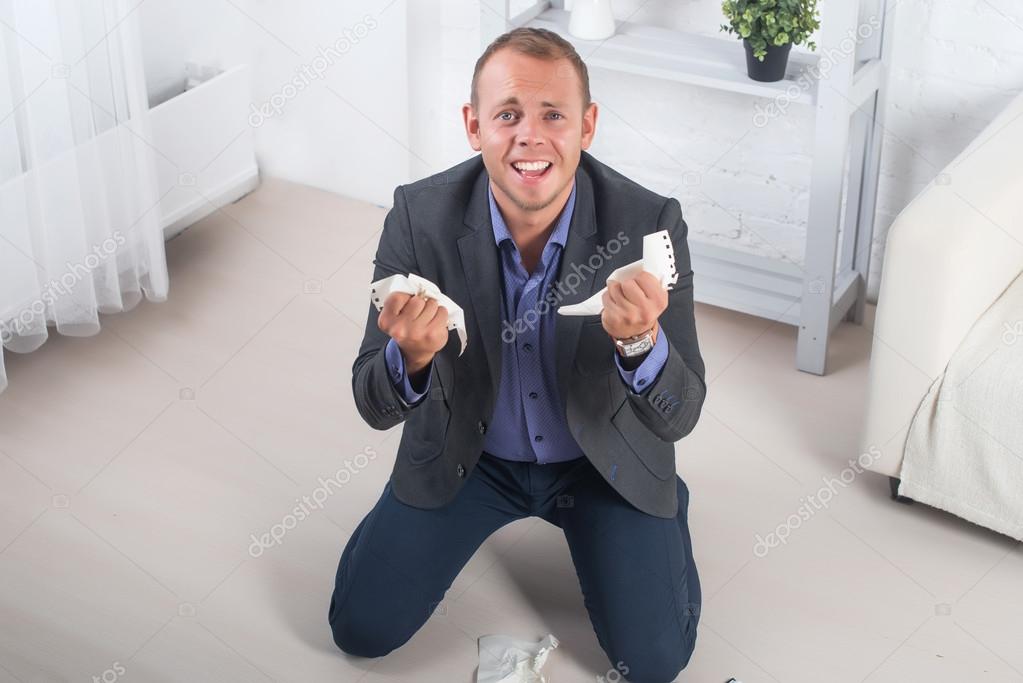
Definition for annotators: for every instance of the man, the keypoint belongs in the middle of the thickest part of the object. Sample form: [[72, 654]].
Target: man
[[569, 419]]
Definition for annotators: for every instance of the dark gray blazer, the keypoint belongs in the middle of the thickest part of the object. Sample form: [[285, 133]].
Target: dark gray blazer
[[440, 228]]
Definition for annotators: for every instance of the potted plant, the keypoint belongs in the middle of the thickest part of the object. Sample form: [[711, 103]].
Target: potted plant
[[769, 29]]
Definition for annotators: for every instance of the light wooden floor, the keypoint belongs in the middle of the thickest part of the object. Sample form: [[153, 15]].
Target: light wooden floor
[[135, 467]]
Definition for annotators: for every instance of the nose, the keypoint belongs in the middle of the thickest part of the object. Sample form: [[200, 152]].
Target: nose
[[530, 133]]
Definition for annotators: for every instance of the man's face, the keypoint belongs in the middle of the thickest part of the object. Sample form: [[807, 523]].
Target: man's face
[[530, 110]]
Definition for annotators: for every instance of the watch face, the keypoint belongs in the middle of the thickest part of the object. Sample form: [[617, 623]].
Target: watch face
[[637, 347]]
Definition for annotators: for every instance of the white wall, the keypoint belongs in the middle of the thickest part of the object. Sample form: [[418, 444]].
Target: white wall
[[336, 71], [956, 65]]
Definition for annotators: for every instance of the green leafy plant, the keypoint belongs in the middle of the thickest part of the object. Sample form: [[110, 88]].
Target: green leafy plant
[[771, 22]]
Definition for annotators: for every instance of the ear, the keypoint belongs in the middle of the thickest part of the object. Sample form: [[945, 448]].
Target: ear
[[472, 126], [589, 125]]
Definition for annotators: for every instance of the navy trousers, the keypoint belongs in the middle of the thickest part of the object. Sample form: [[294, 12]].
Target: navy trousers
[[636, 571]]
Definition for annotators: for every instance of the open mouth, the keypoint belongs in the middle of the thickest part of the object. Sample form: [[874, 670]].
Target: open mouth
[[532, 171]]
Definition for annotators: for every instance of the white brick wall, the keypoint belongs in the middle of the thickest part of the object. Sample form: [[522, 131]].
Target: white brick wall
[[956, 64]]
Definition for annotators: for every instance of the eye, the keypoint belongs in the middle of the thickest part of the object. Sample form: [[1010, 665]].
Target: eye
[[554, 113], [502, 114]]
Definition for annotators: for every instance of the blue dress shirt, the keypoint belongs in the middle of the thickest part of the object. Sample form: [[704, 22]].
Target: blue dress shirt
[[528, 423]]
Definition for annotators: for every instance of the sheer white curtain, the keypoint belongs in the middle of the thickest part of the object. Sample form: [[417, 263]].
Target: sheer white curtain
[[79, 217]]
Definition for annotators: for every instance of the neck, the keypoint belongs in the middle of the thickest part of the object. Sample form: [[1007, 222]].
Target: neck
[[526, 227]]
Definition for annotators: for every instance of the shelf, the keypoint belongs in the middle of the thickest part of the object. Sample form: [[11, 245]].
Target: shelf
[[683, 57], [758, 285], [763, 286]]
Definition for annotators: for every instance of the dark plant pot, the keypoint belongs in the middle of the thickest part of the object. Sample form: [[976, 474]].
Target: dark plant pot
[[773, 67]]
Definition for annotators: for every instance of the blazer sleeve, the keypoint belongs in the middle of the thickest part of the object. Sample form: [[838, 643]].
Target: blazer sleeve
[[400, 376], [671, 406], [377, 399]]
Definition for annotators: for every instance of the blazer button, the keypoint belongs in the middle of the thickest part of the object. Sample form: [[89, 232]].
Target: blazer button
[[460, 470], [481, 427]]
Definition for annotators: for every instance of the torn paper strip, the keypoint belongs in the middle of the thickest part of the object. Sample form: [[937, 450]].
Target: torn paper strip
[[506, 660], [658, 260], [413, 284]]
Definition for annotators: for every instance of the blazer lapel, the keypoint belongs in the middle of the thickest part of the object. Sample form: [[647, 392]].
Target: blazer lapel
[[480, 264]]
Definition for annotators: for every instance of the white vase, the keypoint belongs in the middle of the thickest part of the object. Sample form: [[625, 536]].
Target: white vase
[[591, 20]]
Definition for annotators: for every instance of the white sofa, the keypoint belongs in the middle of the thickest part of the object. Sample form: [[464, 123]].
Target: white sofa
[[949, 255]]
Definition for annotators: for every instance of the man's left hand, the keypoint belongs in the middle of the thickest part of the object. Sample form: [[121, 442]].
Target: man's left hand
[[632, 307]]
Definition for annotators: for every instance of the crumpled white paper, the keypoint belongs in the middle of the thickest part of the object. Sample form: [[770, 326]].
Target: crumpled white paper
[[506, 660], [414, 284], [658, 260]]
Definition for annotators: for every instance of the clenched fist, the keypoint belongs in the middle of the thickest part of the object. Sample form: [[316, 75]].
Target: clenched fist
[[417, 324], [632, 307]]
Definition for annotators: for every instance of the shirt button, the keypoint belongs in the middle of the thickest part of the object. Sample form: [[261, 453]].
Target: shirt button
[[460, 470], [537, 438], [481, 427], [532, 394], [641, 382], [527, 346]]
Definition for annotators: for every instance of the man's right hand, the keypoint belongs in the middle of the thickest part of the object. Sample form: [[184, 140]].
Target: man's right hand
[[417, 324]]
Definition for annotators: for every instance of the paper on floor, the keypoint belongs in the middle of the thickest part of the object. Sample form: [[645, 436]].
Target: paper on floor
[[506, 660], [413, 284], [658, 260]]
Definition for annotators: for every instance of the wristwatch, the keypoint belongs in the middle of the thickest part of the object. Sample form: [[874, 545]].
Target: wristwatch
[[636, 345]]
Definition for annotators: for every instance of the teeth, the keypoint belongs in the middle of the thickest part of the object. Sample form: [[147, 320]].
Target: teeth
[[532, 165]]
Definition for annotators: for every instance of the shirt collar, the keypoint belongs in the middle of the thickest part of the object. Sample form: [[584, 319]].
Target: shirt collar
[[560, 234]]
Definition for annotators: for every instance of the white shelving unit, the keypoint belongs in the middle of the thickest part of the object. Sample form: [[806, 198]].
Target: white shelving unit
[[848, 100]]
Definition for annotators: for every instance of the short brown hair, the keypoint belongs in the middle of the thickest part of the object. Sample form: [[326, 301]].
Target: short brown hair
[[535, 42]]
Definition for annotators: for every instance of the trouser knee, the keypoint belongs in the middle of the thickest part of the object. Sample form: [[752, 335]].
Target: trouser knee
[[364, 634], [662, 665]]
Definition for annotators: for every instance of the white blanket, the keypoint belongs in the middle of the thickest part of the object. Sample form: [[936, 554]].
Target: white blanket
[[964, 450]]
